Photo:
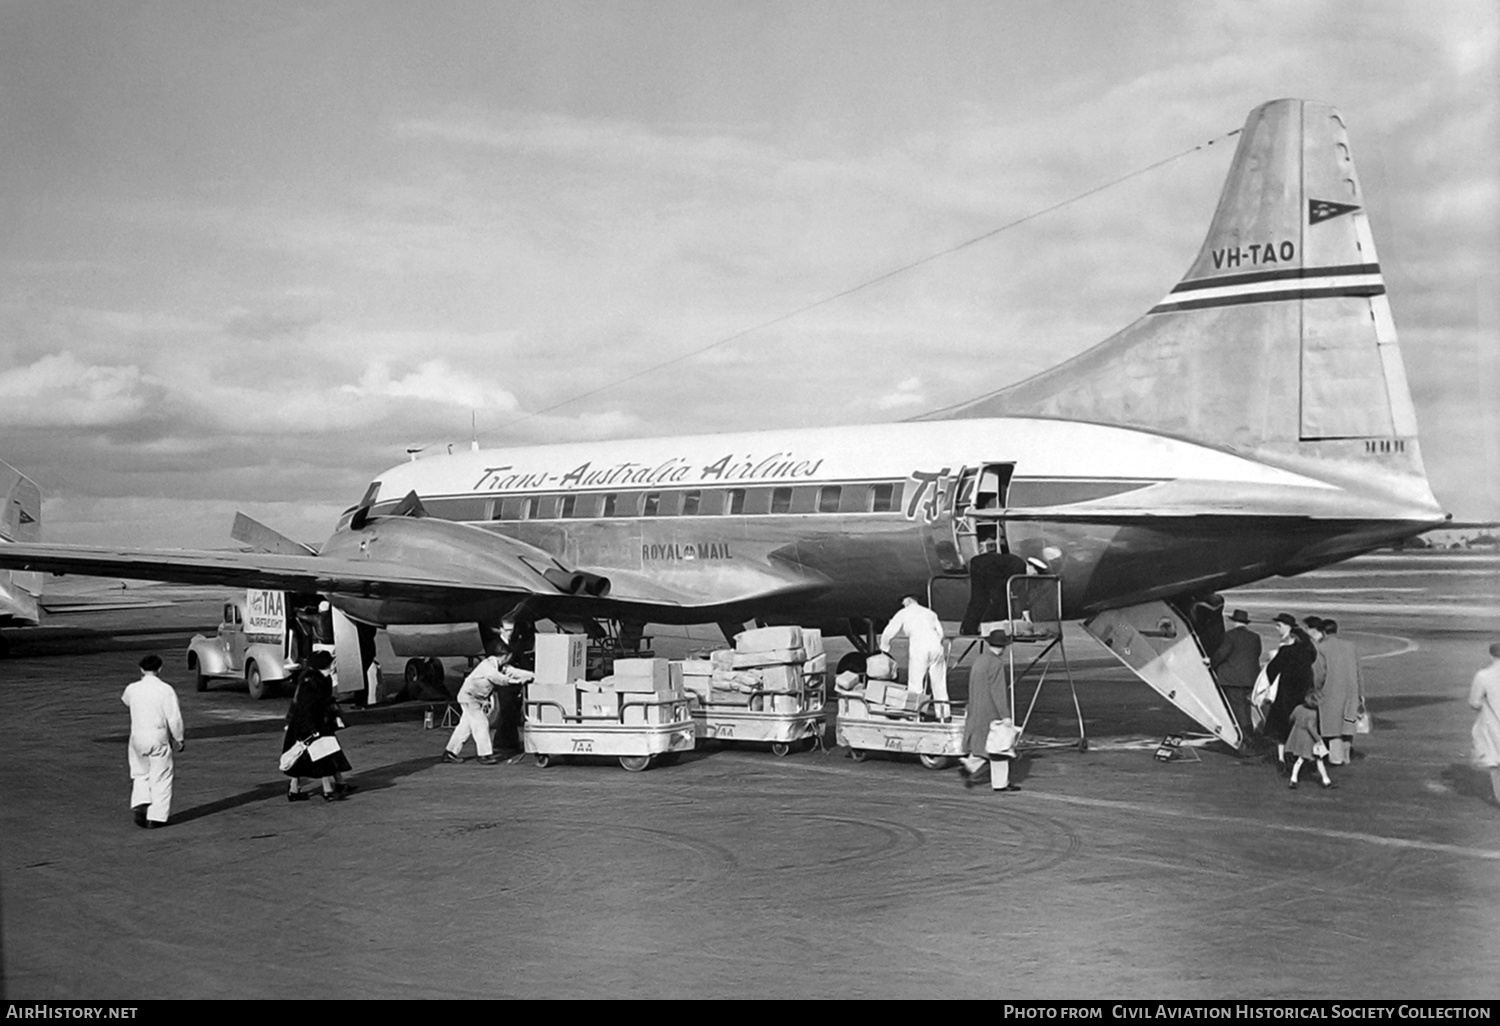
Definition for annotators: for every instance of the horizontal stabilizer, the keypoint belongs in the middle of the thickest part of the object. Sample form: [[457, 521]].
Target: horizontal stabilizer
[[260, 538]]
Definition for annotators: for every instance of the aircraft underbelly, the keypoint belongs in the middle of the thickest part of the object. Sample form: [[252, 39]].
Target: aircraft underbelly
[[1157, 644]]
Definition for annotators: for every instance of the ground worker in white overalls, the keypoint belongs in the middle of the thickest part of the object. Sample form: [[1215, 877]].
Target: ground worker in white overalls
[[927, 651]]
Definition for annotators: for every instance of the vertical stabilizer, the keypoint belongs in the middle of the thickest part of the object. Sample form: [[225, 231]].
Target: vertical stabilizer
[[20, 521], [1279, 342]]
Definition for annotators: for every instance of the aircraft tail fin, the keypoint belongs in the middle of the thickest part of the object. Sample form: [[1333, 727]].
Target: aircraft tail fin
[[1278, 343], [20, 521]]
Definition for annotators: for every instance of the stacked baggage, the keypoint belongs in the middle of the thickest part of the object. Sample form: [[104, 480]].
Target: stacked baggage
[[768, 688], [637, 713]]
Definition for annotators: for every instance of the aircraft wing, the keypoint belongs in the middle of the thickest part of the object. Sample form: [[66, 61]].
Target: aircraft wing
[[507, 567], [232, 569]]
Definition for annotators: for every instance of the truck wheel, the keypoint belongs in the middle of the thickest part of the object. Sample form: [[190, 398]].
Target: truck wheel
[[936, 762], [635, 763], [253, 681]]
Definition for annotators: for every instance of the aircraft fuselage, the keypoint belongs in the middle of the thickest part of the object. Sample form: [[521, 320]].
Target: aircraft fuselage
[[827, 524]]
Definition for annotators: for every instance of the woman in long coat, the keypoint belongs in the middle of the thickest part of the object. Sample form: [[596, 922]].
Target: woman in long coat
[[313, 712], [1292, 669], [1484, 698]]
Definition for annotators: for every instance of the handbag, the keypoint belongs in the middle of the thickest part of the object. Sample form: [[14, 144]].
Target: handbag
[[1002, 739], [1363, 723], [291, 755], [322, 747]]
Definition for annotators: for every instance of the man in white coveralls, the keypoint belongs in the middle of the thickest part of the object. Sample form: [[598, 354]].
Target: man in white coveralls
[[155, 729], [927, 651], [494, 671]]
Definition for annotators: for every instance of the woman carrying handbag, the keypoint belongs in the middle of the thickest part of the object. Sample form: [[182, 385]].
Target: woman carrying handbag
[[312, 724]]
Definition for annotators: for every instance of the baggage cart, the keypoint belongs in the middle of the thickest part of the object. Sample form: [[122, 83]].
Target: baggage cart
[[778, 718], [864, 729], [638, 745]]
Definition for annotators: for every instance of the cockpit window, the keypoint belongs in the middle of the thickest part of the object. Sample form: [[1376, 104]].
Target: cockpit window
[[371, 494]]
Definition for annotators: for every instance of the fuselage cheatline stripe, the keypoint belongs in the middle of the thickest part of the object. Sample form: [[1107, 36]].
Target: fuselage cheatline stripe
[[1270, 297], [1283, 274]]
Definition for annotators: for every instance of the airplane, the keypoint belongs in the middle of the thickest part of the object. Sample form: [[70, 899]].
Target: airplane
[[1255, 422], [20, 521]]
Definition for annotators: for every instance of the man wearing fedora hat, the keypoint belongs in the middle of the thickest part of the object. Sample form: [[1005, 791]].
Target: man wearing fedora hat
[[1235, 665]]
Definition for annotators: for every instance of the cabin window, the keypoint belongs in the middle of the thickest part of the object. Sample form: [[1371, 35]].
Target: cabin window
[[610, 499], [510, 509], [690, 502], [627, 504], [883, 498], [569, 506], [757, 501], [735, 504], [528, 508], [781, 500], [828, 498], [652, 507], [546, 507]]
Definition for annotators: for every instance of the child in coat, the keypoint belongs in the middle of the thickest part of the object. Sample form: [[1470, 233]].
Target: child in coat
[[1305, 742]]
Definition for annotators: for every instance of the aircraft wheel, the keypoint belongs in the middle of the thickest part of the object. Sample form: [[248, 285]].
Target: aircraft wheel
[[413, 676], [543, 760], [635, 763], [255, 683], [936, 762], [1083, 744], [858, 754], [780, 748]]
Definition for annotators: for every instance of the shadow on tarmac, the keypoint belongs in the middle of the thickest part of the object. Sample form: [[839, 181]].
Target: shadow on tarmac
[[1470, 782], [377, 779]]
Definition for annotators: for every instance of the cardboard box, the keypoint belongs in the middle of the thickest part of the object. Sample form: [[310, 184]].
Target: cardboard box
[[816, 664], [768, 639], [880, 667], [774, 657], [875, 693], [728, 696], [597, 704], [655, 673], [781, 678], [812, 641], [783, 703], [700, 667], [560, 658], [722, 658], [565, 695]]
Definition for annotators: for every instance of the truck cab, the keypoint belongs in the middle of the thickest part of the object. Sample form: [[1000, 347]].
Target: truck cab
[[260, 640]]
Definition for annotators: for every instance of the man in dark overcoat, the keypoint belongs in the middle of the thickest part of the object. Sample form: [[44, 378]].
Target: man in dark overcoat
[[1235, 665]]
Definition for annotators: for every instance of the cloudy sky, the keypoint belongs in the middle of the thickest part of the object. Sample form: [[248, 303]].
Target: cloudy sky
[[251, 252]]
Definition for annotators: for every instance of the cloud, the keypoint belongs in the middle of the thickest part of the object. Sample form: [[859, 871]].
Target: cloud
[[907, 393], [62, 390], [434, 380]]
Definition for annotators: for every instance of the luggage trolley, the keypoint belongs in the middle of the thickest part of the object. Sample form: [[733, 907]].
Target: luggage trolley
[[863, 730], [636, 745], [782, 727]]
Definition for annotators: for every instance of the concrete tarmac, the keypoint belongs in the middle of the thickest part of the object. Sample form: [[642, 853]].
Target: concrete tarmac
[[739, 874]]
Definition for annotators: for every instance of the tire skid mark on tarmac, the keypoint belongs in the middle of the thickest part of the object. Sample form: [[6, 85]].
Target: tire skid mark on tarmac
[[695, 861], [1344, 835]]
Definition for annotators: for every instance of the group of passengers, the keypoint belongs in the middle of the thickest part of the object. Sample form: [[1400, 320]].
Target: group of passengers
[[1308, 700]]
